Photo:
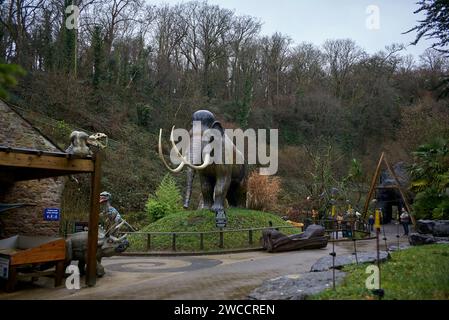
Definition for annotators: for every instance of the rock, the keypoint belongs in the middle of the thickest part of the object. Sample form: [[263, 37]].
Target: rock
[[444, 240], [296, 287], [325, 263], [438, 228], [417, 239], [441, 228], [424, 226]]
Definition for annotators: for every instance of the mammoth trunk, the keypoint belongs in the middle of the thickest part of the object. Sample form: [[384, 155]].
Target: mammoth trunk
[[196, 151], [190, 176], [189, 184]]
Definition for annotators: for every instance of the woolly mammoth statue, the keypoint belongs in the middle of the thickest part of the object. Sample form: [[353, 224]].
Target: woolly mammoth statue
[[220, 180]]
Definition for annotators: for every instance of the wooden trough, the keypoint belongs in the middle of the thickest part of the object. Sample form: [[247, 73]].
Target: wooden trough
[[24, 251]]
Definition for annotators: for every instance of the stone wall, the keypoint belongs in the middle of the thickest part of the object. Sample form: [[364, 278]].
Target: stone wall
[[45, 193]]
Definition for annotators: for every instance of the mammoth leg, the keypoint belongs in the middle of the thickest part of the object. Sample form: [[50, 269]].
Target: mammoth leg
[[236, 195], [207, 190], [221, 190], [233, 195]]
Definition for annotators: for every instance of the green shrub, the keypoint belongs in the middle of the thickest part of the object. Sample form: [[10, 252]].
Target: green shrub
[[430, 174], [165, 201]]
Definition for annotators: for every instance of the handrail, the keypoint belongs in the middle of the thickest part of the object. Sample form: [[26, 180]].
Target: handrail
[[149, 234], [207, 232]]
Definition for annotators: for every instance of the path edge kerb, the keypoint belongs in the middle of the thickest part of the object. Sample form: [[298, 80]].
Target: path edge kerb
[[181, 254]]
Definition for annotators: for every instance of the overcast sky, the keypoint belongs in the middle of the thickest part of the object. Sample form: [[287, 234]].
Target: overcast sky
[[317, 20]]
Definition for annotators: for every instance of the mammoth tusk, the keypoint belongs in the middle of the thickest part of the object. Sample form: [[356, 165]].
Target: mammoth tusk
[[181, 165], [184, 160]]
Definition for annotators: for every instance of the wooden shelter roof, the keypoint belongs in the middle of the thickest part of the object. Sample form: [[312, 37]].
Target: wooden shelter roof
[[18, 164]]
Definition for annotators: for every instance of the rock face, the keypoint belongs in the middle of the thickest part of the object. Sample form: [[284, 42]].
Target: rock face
[[417, 239], [46, 193], [325, 263], [438, 228], [430, 231], [296, 287]]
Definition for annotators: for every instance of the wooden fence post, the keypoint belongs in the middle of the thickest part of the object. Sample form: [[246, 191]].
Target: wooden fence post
[[201, 241], [174, 242], [221, 245], [148, 241]]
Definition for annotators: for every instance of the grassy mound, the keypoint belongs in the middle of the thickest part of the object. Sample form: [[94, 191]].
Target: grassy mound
[[204, 221], [418, 273]]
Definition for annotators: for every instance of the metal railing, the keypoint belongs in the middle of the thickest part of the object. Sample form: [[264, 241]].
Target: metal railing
[[348, 227], [201, 236]]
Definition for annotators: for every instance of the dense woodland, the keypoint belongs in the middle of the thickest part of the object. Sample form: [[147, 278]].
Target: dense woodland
[[132, 68]]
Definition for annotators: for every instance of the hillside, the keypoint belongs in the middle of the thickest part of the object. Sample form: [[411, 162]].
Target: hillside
[[336, 106]]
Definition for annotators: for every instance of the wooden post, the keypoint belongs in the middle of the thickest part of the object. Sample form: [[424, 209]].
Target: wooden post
[[373, 185], [221, 244], [59, 273], [201, 241], [12, 279], [92, 242], [173, 245], [250, 237], [148, 241]]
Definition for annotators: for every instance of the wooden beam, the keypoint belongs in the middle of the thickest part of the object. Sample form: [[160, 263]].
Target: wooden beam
[[407, 205], [52, 251], [373, 185], [94, 216], [12, 159], [12, 174]]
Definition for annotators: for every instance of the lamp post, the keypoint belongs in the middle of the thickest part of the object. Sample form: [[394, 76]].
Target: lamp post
[[377, 225]]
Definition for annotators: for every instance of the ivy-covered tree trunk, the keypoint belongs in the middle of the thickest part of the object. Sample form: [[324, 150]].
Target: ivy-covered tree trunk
[[98, 56]]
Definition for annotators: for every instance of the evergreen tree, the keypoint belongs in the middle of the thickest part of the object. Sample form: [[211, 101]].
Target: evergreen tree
[[435, 25], [98, 56], [47, 41], [68, 40]]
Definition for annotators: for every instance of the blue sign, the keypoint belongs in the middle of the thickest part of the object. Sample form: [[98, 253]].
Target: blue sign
[[52, 214]]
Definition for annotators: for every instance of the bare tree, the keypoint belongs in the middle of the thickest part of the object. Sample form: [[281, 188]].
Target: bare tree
[[275, 53], [306, 66], [434, 60], [341, 55], [244, 31]]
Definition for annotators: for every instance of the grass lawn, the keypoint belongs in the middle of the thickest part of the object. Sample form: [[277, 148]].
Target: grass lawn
[[202, 221], [418, 273]]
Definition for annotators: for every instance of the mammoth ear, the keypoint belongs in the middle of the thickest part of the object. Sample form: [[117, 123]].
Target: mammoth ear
[[217, 125]]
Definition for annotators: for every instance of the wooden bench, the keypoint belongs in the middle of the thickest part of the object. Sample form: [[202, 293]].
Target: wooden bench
[[20, 251]]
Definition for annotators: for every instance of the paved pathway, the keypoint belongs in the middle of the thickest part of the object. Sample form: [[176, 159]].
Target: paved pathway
[[230, 276]]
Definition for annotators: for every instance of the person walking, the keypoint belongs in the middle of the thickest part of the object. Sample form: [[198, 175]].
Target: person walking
[[371, 223], [405, 220]]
